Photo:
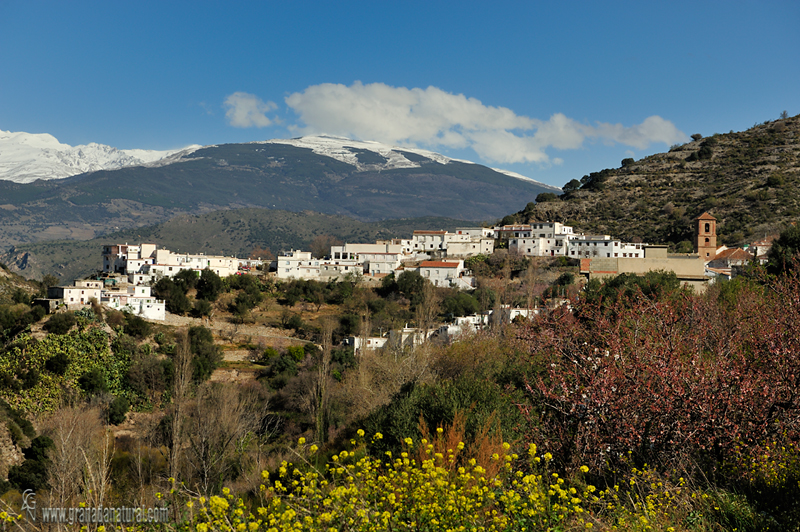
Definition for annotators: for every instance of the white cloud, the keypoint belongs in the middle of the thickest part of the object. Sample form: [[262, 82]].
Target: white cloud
[[247, 110], [432, 117]]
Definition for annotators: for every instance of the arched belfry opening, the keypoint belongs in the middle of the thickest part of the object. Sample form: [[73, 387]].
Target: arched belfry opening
[[705, 242]]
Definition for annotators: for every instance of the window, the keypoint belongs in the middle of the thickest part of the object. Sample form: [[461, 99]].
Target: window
[[708, 228]]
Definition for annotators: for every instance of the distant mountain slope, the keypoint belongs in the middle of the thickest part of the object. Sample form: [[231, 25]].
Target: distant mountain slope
[[750, 181], [367, 181], [26, 157], [231, 232]]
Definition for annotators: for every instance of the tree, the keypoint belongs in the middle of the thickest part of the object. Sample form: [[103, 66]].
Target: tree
[[207, 355], [186, 280], [697, 136], [174, 297], [784, 250], [688, 377], [218, 425], [181, 387], [572, 186], [33, 472], [209, 286], [784, 115], [136, 326], [627, 162], [544, 197], [321, 245]]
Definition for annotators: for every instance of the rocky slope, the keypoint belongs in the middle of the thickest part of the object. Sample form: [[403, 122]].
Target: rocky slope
[[749, 180]]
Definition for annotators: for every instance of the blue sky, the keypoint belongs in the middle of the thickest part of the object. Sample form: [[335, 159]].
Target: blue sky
[[550, 90]]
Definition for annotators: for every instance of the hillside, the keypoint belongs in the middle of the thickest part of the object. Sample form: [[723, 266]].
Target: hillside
[[750, 181], [11, 284], [232, 232], [366, 181]]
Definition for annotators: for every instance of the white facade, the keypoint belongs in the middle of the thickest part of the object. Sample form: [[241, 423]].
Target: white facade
[[370, 343], [423, 241], [137, 300], [380, 263], [148, 259], [590, 246], [74, 296], [296, 264], [442, 273], [478, 232], [540, 239]]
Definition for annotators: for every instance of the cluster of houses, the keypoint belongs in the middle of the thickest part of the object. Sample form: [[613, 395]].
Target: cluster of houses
[[129, 270], [437, 255]]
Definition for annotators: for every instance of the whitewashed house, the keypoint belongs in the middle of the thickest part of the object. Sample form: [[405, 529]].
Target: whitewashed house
[[138, 300], [540, 239], [428, 241], [443, 273], [74, 297], [296, 264], [603, 246]]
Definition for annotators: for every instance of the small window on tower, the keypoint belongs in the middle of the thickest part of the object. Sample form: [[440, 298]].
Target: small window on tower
[[708, 228]]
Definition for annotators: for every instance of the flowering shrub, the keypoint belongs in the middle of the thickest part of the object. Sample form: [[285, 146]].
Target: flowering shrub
[[668, 378], [358, 492]]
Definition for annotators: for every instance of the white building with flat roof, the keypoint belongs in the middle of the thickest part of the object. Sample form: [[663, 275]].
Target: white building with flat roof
[[296, 264], [603, 246]]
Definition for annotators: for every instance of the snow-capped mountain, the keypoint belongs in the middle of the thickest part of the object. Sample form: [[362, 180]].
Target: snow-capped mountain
[[26, 157], [347, 151]]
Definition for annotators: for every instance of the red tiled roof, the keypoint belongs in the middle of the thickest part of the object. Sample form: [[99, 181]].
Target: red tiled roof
[[733, 254], [705, 216], [429, 232]]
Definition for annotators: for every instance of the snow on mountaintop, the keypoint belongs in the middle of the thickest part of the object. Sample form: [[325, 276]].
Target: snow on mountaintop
[[339, 148], [26, 157]]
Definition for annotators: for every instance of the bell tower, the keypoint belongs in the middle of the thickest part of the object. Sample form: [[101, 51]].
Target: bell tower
[[705, 243]]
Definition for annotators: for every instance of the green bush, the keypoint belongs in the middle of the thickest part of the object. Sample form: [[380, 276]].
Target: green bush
[[60, 323], [201, 308], [136, 326], [117, 410], [33, 472], [544, 197], [297, 352], [93, 382], [17, 436], [57, 364]]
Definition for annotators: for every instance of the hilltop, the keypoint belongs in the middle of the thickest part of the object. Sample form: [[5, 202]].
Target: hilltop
[[750, 181]]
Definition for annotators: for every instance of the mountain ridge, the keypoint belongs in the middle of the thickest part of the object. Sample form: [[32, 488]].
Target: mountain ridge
[[384, 184]]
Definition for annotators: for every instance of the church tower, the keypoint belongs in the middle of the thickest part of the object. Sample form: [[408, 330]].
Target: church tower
[[705, 243]]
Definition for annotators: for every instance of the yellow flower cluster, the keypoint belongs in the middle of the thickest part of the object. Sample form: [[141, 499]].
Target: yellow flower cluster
[[364, 493], [441, 492]]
